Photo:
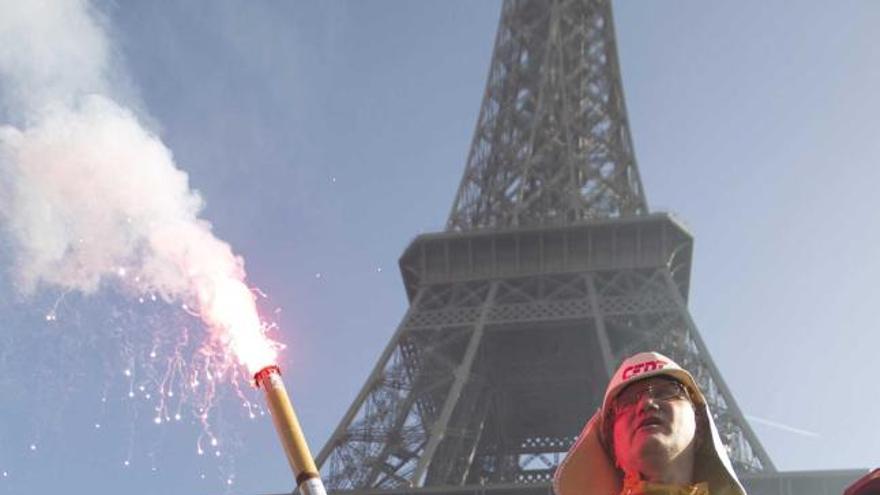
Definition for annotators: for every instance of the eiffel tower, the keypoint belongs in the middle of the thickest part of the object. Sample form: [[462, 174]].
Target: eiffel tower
[[550, 271]]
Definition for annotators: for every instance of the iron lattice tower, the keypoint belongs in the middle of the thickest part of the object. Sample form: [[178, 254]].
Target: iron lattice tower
[[550, 271], [552, 144]]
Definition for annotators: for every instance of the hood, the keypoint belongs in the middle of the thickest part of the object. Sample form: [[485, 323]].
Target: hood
[[588, 469]]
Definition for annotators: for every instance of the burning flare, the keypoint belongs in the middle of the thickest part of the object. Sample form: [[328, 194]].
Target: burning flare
[[289, 432], [89, 195], [228, 305]]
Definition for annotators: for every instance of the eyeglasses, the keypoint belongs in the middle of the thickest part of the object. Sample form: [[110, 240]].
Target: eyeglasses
[[661, 391]]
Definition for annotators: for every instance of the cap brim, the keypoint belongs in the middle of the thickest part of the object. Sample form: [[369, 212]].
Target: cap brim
[[682, 376]]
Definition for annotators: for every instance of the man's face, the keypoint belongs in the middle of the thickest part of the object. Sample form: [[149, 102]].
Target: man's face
[[654, 423]]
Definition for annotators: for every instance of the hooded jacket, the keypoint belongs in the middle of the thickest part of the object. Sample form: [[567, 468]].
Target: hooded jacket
[[588, 468]]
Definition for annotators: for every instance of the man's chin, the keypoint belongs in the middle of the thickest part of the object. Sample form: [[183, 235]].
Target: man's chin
[[650, 442]]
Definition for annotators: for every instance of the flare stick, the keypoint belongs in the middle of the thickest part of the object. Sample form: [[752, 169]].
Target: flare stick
[[308, 480]]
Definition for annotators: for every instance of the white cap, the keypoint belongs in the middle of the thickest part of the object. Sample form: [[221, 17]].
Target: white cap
[[588, 469]]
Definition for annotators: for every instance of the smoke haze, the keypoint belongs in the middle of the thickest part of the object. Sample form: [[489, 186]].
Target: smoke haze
[[88, 194], [51, 53]]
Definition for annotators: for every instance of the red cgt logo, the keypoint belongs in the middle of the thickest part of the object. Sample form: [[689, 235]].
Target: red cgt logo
[[636, 369]]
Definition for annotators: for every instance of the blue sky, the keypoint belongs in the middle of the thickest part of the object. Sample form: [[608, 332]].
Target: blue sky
[[324, 136]]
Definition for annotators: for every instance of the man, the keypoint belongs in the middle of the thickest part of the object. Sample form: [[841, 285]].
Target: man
[[653, 436]]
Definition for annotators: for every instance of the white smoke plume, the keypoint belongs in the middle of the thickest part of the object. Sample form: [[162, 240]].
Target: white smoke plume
[[87, 193], [51, 52]]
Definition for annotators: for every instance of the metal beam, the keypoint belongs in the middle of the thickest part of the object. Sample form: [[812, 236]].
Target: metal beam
[[462, 375]]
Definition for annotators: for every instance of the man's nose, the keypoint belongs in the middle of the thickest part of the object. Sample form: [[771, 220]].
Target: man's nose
[[648, 402]]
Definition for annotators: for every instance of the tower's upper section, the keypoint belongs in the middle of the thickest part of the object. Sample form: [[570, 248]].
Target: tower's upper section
[[552, 144]]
